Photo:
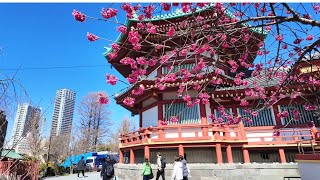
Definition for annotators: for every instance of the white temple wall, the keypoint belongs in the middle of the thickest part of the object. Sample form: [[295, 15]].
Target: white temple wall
[[150, 117]]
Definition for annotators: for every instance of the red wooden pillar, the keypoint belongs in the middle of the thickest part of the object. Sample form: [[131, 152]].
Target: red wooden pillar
[[282, 156], [147, 152], [219, 153], [229, 154], [246, 156], [314, 132], [120, 157], [181, 150], [203, 113], [242, 131], [131, 156]]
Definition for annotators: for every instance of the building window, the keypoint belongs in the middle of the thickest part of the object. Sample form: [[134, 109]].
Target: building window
[[305, 116], [185, 115], [265, 117]]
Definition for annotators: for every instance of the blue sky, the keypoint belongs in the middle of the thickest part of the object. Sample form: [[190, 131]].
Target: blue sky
[[46, 35]]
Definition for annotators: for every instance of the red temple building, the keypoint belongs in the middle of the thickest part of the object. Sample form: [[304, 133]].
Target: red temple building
[[196, 134]]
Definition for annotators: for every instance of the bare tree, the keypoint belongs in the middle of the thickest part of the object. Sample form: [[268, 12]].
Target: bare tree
[[125, 127], [94, 121]]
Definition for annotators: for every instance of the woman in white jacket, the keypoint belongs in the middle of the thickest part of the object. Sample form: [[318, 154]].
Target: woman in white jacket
[[177, 170]]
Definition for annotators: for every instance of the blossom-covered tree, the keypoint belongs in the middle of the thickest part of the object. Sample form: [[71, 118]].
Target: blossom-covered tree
[[273, 40]]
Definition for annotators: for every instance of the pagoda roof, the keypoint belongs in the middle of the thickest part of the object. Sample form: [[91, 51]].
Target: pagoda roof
[[178, 14], [262, 81]]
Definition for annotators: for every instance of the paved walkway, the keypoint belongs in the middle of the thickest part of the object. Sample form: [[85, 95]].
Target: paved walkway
[[89, 176]]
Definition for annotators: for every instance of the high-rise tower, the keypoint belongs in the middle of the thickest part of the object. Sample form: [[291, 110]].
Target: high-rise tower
[[22, 122], [63, 113]]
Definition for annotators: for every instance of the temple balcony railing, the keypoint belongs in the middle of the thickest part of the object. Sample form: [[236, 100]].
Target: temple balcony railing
[[213, 133]]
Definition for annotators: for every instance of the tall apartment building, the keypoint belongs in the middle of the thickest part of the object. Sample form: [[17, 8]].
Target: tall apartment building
[[26, 117], [63, 113]]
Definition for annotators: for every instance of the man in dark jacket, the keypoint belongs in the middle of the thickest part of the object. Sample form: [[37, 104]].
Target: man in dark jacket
[[81, 166], [161, 165], [107, 171], [185, 169]]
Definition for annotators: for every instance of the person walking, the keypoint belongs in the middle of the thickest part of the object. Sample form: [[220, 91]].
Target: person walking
[[161, 162], [146, 171], [81, 166], [185, 169], [177, 170], [107, 171]]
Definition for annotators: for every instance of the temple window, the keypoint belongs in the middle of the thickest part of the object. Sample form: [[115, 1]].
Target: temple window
[[265, 117], [305, 116], [185, 115]]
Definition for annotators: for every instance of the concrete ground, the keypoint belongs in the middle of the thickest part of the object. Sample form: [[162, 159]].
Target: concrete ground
[[89, 176]]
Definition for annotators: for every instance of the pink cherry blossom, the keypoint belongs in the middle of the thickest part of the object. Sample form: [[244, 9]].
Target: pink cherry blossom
[[309, 37], [109, 13], [138, 91], [113, 55], [187, 97], [171, 31], [244, 102], [111, 79], [129, 101], [309, 107], [152, 62], [115, 47], [279, 38], [276, 133], [122, 29], [166, 6], [164, 122], [283, 114], [92, 37], [148, 10], [152, 29], [296, 114], [103, 100], [212, 117], [141, 60], [174, 119], [79, 16]]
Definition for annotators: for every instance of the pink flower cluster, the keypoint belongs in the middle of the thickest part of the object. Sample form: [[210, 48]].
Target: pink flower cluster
[[129, 61], [134, 39], [309, 107], [204, 97], [111, 79], [174, 119], [283, 114], [152, 29], [122, 29], [103, 99], [166, 6], [79, 16], [92, 37], [148, 10], [138, 91], [129, 101], [171, 31], [109, 13]]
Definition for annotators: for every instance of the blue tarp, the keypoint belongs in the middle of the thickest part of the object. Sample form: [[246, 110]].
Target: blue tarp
[[74, 159]]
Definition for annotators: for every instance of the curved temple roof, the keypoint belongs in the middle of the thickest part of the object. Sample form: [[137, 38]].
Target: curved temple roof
[[178, 14]]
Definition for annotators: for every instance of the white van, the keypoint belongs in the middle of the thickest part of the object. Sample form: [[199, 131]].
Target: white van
[[90, 162]]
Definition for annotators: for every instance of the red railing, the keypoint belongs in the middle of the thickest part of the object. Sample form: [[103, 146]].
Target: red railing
[[213, 132], [24, 170]]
